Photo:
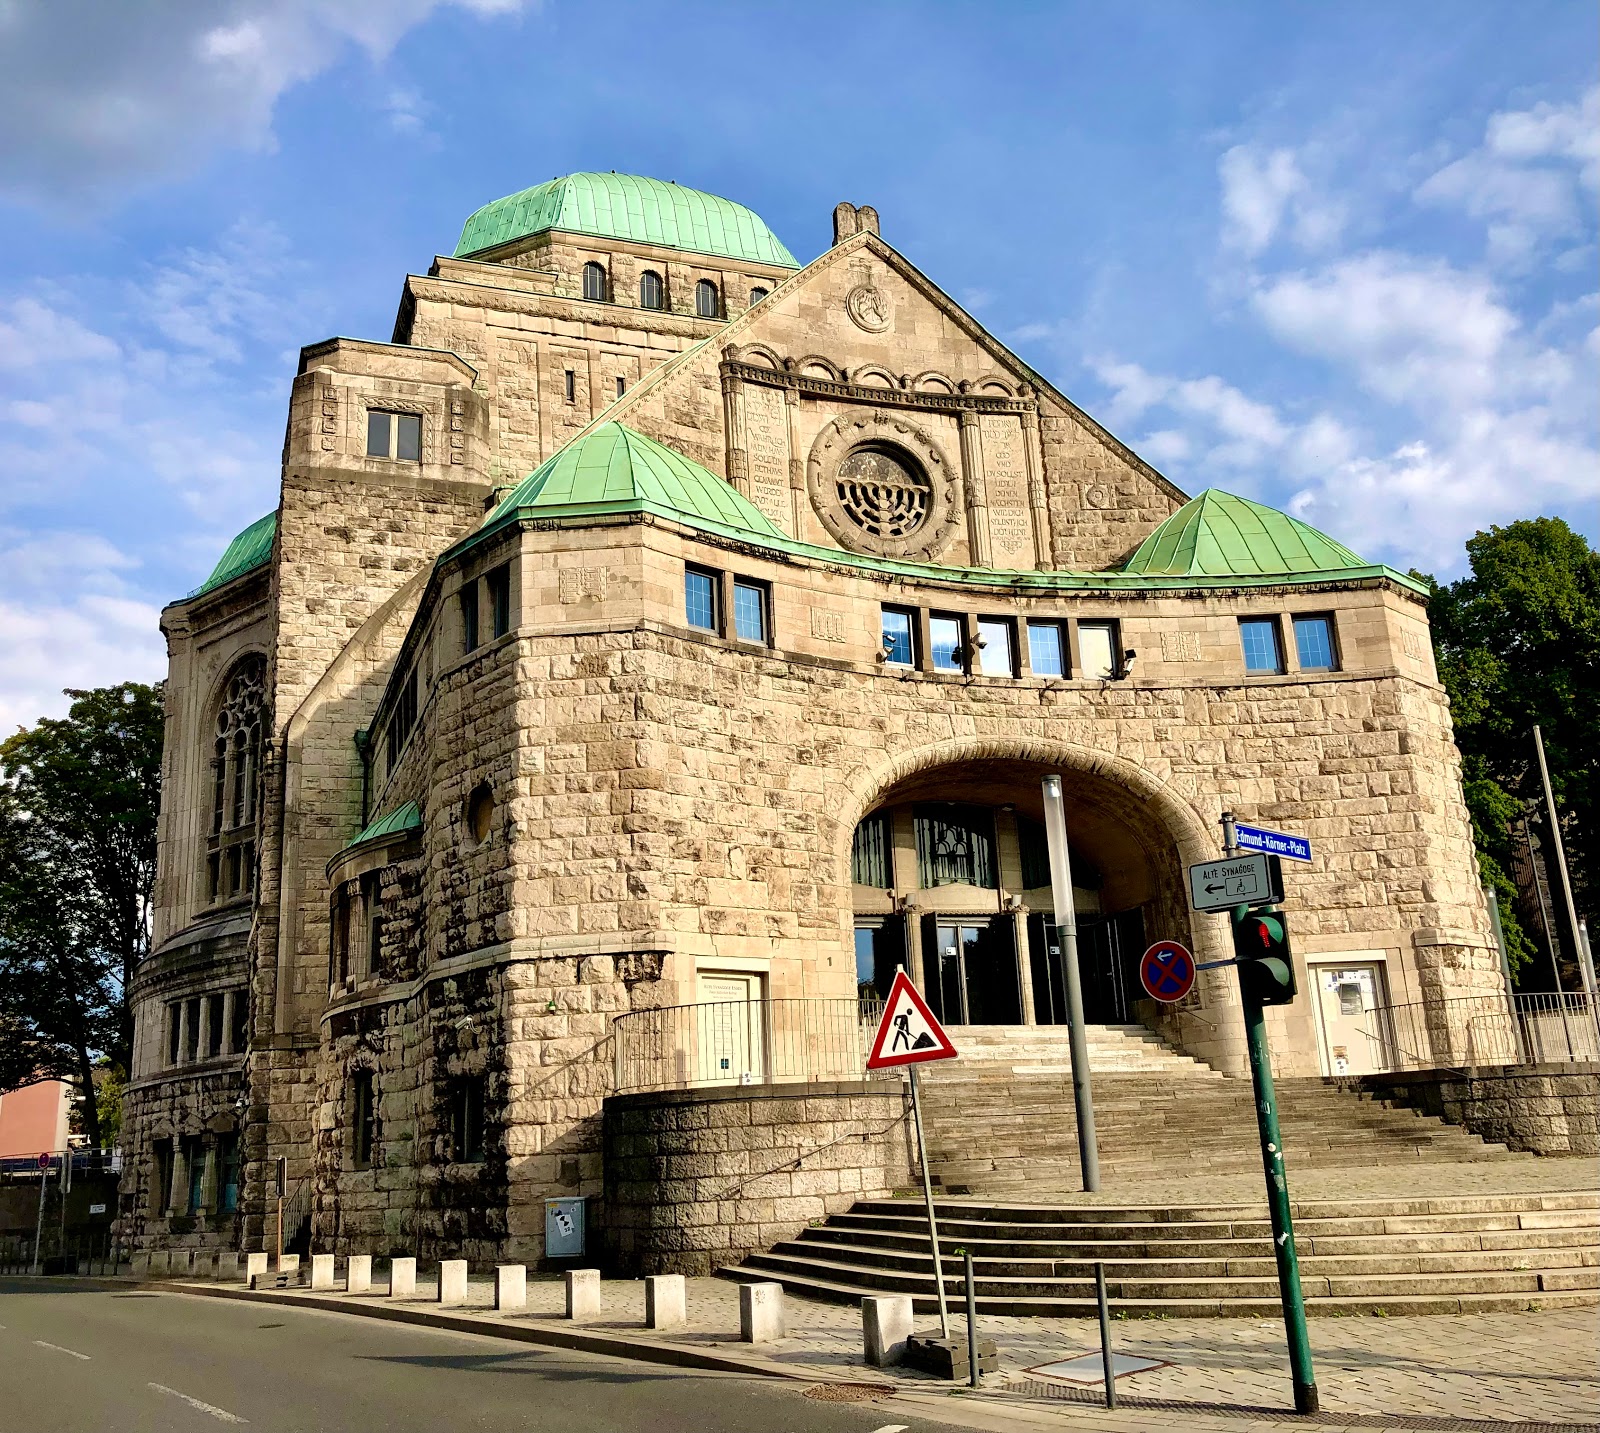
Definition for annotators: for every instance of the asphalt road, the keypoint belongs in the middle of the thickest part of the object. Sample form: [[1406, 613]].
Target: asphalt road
[[79, 1357]]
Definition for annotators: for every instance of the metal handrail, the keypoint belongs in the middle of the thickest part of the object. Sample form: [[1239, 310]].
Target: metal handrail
[[1472, 1030]]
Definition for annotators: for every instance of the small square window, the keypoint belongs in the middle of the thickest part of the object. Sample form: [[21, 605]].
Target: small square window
[[700, 599], [945, 641], [1263, 651], [750, 612], [899, 647], [1097, 650], [1313, 644], [997, 652], [1047, 651], [394, 435], [498, 586]]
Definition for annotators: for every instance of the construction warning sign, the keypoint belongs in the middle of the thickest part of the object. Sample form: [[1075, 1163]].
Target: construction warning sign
[[908, 1033]]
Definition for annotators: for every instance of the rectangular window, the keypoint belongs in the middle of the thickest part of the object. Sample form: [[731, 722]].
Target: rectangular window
[[945, 643], [572, 386], [174, 1031], [1033, 846], [622, 386], [404, 718], [339, 956], [997, 656], [161, 1177], [194, 1161], [374, 910], [469, 617], [214, 1024], [498, 586], [1047, 649], [899, 645], [869, 853], [700, 599], [191, 1033], [227, 1173], [955, 846], [394, 435], [363, 1117], [239, 1022], [468, 1095], [1263, 651], [750, 612], [1313, 643], [1097, 650]]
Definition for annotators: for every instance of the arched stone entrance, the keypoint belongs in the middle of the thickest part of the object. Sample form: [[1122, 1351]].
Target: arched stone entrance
[[949, 875]]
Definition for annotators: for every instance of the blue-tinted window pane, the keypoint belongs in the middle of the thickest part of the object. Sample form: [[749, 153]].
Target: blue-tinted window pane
[[1313, 641], [1046, 654], [1259, 636], [995, 658], [749, 613], [866, 958], [897, 649], [700, 600], [944, 636]]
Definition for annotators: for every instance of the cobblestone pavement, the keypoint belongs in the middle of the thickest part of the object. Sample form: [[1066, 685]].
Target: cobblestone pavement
[[1513, 1367]]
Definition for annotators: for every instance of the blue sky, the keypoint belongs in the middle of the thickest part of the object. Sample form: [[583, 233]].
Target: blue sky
[[1341, 258]]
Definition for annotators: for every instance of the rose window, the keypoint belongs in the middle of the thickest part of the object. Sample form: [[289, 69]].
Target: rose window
[[883, 493]]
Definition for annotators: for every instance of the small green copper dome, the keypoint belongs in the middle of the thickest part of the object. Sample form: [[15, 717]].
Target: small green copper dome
[[1219, 535], [250, 550], [626, 206]]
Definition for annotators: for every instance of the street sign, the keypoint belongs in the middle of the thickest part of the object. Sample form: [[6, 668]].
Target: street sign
[[44, 1161], [1274, 843], [1167, 971], [1248, 880], [908, 1034]]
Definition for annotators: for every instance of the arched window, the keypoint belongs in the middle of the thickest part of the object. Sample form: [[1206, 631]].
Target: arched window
[[705, 299], [756, 295], [652, 292], [594, 282], [236, 782]]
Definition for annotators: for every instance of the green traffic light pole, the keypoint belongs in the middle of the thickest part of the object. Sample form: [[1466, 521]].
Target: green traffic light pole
[[1294, 1307]]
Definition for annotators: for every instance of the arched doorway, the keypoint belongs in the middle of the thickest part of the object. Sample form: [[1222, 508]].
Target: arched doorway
[[950, 876]]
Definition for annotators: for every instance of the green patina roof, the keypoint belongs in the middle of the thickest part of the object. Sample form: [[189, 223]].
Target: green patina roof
[[626, 206], [402, 819], [1219, 535], [251, 549]]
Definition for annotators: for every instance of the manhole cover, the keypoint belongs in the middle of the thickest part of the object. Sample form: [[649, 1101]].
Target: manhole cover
[[848, 1392]]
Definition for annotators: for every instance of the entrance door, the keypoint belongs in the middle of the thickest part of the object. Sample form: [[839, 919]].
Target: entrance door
[[1349, 1000], [1108, 954], [970, 972], [728, 1029]]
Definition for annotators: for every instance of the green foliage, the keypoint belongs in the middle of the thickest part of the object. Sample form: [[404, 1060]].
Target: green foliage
[[109, 1090], [78, 803], [1518, 644]]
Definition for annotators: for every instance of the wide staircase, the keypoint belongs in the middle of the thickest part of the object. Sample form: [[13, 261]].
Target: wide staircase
[[1003, 1154]]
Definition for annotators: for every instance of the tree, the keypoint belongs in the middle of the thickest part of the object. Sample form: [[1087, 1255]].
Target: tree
[[1518, 644], [78, 803]]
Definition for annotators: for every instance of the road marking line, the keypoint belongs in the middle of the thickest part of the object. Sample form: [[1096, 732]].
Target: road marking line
[[892, 1428], [57, 1347], [210, 1408]]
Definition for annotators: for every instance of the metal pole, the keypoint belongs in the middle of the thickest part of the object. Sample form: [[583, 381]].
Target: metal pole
[[1294, 1308], [972, 1320], [38, 1228], [1107, 1370], [1066, 916], [927, 1199], [1505, 971], [1561, 850], [1586, 961]]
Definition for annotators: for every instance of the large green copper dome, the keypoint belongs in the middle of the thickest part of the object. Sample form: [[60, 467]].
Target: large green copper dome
[[1220, 535], [626, 206]]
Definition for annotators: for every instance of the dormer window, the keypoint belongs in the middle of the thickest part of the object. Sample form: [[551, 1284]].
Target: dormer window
[[705, 299], [652, 292], [756, 295], [594, 282], [394, 435]]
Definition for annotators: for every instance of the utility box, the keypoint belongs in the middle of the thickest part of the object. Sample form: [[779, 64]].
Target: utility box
[[565, 1229]]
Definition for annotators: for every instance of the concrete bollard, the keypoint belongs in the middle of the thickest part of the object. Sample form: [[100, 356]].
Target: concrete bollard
[[289, 1264], [139, 1265], [885, 1327], [160, 1263], [666, 1301], [452, 1281], [322, 1271], [402, 1278], [583, 1293], [358, 1274], [255, 1264], [511, 1288], [760, 1313], [229, 1268]]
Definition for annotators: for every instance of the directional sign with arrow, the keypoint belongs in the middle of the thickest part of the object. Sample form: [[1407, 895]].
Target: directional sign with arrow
[[1249, 879]]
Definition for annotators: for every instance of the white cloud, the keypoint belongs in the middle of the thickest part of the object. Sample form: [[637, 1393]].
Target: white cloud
[[101, 96], [1266, 192], [89, 641]]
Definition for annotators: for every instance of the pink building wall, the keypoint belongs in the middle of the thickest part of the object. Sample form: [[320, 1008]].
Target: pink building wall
[[34, 1118]]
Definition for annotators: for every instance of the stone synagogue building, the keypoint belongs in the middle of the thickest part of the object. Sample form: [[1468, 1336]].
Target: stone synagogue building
[[656, 642]]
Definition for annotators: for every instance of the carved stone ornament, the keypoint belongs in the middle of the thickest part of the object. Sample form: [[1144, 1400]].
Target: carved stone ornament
[[869, 307], [882, 485], [1097, 495]]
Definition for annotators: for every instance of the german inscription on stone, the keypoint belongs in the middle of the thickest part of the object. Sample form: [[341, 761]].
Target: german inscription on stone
[[1010, 527], [766, 436]]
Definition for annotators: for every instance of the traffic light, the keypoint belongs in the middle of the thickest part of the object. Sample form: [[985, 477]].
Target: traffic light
[[1266, 968]]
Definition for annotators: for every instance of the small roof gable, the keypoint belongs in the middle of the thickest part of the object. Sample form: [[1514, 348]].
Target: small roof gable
[[615, 469], [251, 549], [1219, 535]]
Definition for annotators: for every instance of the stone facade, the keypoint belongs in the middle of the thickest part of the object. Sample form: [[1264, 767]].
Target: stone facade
[[619, 807], [1547, 1109]]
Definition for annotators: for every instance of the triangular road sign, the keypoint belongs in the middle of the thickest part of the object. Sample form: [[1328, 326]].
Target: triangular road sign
[[908, 1034]]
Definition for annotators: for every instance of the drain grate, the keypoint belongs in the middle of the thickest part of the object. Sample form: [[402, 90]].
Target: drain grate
[[849, 1392]]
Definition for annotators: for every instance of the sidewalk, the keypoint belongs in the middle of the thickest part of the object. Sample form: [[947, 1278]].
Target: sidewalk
[[1487, 1371]]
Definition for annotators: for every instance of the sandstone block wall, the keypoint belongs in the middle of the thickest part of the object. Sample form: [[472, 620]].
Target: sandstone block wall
[[1548, 1109], [698, 1179]]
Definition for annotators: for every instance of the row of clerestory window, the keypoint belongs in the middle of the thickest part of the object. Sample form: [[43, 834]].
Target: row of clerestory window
[[653, 291]]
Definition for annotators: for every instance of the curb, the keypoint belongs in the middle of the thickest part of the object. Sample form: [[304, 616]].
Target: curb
[[587, 1341]]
